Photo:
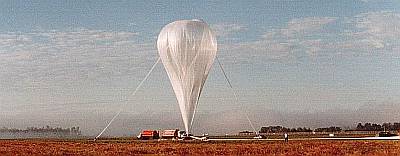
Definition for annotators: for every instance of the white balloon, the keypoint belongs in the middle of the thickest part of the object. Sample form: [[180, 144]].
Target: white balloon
[[187, 49]]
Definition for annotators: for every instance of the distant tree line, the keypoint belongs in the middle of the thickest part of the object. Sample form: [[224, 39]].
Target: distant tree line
[[47, 129], [328, 129], [360, 127], [281, 129], [378, 127]]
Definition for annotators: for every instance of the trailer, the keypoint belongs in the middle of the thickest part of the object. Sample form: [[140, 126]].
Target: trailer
[[170, 134]]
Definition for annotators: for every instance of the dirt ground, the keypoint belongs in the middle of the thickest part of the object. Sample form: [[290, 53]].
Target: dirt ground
[[115, 147]]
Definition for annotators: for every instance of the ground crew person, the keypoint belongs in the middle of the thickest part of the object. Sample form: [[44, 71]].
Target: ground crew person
[[286, 137]]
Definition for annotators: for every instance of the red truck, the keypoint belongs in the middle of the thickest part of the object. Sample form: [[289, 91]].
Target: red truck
[[149, 135]]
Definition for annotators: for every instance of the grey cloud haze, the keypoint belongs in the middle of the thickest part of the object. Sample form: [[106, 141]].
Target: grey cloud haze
[[367, 34], [225, 29]]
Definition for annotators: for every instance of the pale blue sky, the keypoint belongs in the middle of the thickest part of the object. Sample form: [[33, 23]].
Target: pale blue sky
[[69, 63]]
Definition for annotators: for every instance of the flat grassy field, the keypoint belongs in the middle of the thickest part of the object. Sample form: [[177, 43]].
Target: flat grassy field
[[124, 147]]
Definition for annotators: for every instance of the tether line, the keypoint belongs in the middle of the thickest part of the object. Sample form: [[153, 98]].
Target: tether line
[[234, 93], [133, 94]]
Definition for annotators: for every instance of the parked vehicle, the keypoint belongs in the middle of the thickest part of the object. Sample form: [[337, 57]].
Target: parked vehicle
[[148, 135], [170, 134], [386, 134]]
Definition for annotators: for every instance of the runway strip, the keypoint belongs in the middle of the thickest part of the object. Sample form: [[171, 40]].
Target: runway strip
[[366, 138]]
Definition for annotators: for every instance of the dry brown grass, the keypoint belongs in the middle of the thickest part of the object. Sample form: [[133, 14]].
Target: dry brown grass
[[54, 147]]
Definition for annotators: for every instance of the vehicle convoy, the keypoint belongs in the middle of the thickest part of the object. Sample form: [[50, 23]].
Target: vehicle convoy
[[172, 134], [169, 134]]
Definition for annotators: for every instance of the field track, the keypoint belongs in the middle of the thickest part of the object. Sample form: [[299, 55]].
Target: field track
[[128, 147], [395, 138]]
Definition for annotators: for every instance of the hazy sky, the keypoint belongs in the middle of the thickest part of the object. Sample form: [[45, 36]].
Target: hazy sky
[[292, 63]]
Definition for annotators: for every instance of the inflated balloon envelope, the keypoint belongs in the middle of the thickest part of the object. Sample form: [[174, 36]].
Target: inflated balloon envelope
[[187, 49]]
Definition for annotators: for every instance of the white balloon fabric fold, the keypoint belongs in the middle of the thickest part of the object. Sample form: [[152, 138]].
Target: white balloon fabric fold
[[187, 49]]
